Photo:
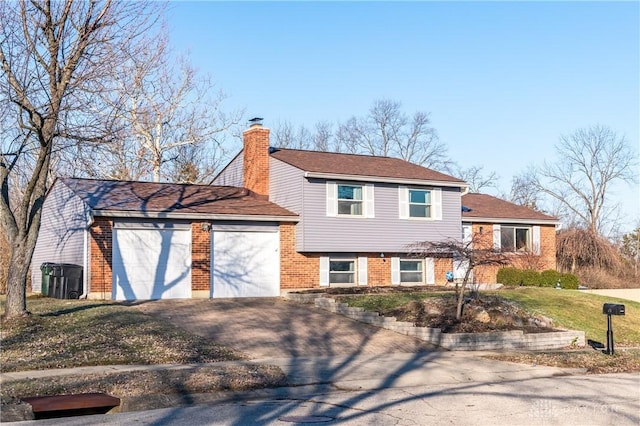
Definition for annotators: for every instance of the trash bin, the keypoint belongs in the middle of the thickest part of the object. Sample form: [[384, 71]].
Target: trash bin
[[56, 282], [73, 281], [46, 268], [66, 281]]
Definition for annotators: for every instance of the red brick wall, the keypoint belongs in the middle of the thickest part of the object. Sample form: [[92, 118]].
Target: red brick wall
[[200, 257], [297, 270], [100, 246], [545, 260], [302, 270], [256, 160]]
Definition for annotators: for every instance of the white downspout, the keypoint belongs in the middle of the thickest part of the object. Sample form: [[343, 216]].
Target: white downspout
[[85, 260]]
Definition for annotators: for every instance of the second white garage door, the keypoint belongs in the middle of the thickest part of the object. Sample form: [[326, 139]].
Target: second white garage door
[[151, 264], [245, 264]]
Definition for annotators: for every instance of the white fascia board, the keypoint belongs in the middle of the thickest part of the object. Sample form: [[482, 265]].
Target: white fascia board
[[501, 220], [380, 179], [198, 216]]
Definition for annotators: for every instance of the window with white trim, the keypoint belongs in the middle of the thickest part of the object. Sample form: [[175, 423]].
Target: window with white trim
[[515, 238], [350, 200], [420, 203], [411, 271], [342, 271]]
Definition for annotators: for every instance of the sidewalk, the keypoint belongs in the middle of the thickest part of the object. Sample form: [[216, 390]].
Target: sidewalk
[[367, 371]]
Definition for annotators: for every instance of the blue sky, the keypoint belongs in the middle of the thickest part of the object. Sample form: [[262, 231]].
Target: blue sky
[[502, 80]]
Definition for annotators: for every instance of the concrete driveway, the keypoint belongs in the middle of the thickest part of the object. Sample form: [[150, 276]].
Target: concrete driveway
[[278, 328]]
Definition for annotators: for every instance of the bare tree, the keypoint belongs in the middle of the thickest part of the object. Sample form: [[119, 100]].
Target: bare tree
[[477, 179], [286, 135], [471, 252], [589, 161], [54, 58], [387, 131], [630, 248], [524, 190], [164, 105]]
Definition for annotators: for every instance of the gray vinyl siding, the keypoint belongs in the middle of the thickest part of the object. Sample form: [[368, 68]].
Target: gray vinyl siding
[[286, 186], [384, 233], [233, 174], [61, 238]]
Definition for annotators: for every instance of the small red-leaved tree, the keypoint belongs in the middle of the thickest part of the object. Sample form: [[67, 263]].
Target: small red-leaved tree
[[471, 252]]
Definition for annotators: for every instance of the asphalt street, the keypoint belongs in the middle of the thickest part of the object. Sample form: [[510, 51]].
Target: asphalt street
[[562, 400]]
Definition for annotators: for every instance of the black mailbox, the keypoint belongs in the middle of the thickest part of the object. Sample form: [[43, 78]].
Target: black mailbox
[[613, 309]]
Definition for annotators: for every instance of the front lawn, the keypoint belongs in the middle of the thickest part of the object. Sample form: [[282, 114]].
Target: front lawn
[[570, 309], [72, 333]]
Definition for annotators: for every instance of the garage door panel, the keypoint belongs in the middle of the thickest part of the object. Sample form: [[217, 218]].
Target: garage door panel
[[151, 264], [245, 264]]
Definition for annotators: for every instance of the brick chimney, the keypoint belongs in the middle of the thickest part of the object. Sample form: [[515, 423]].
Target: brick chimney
[[256, 158]]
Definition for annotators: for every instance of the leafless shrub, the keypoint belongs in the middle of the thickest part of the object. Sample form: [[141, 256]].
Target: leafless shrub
[[579, 248]]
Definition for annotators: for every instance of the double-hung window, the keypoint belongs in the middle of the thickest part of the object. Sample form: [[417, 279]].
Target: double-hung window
[[514, 238], [411, 271], [350, 200], [420, 203], [342, 271]]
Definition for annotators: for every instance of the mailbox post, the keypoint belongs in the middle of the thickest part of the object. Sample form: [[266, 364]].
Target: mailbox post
[[611, 309]]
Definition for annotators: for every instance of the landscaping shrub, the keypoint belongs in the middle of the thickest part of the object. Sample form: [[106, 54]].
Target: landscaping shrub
[[549, 278], [508, 276], [530, 278], [569, 281]]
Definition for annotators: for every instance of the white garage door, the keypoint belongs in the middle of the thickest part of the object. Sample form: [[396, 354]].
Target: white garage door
[[245, 264], [151, 264]]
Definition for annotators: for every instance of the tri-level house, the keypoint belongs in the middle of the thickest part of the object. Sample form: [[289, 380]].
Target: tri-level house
[[358, 214], [273, 220]]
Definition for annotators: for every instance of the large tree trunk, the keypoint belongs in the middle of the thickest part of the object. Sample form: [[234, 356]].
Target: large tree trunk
[[16, 304]]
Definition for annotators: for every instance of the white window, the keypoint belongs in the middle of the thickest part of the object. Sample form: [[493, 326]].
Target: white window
[[350, 200], [344, 199], [343, 271], [418, 203], [411, 271], [517, 238]]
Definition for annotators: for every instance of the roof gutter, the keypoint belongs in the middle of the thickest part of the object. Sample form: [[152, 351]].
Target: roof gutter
[[381, 179], [510, 220], [190, 216]]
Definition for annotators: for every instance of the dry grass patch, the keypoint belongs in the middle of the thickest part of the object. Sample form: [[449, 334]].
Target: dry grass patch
[[73, 333], [203, 379], [623, 361]]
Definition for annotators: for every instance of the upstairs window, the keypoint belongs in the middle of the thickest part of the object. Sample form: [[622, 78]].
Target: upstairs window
[[350, 200], [420, 203]]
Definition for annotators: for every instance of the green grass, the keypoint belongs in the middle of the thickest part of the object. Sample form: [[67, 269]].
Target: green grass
[[71, 333], [577, 310], [387, 301], [570, 309]]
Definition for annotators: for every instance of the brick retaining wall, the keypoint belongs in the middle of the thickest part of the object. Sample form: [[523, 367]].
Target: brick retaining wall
[[515, 339]]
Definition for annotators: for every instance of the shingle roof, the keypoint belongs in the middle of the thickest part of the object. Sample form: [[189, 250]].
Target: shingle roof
[[359, 165], [487, 207], [151, 197]]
